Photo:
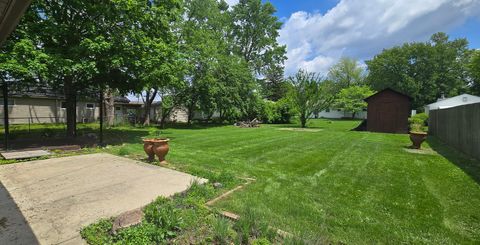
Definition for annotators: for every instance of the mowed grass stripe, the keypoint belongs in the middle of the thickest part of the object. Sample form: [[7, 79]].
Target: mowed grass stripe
[[334, 185]]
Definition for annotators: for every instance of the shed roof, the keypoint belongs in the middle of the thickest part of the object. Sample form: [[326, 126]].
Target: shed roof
[[455, 101], [387, 89]]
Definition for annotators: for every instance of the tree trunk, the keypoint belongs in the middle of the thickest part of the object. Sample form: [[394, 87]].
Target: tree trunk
[[303, 120], [191, 112], [209, 116], [165, 115], [71, 103], [149, 97], [109, 101], [353, 115], [146, 115]]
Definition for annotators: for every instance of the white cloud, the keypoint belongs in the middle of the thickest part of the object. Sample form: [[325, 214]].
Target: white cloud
[[360, 29]]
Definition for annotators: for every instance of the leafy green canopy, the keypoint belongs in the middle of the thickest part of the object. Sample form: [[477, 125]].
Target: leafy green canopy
[[217, 80], [347, 72], [255, 32], [309, 93], [474, 67], [424, 71], [351, 99]]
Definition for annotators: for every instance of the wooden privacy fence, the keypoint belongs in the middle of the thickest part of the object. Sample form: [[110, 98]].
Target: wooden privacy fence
[[459, 127]]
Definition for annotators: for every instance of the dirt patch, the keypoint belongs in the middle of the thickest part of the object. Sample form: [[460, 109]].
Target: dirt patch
[[311, 130], [420, 151]]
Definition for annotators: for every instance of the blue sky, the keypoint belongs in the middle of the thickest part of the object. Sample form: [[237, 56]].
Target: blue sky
[[470, 29], [319, 32]]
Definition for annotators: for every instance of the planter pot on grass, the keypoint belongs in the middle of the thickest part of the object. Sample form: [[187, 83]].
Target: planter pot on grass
[[417, 139], [157, 147], [148, 148]]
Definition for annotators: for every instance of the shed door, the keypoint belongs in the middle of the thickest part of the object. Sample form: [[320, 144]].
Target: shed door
[[387, 115]]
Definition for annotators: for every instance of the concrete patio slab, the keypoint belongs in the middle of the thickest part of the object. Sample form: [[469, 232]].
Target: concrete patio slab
[[49, 201], [24, 154]]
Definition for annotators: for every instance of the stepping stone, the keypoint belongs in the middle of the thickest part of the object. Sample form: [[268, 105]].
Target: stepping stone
[[24, 154], [127, 219]]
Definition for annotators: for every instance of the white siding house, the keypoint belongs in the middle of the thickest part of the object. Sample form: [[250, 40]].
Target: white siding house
[[339, 114], [24, 110], [463, 99]]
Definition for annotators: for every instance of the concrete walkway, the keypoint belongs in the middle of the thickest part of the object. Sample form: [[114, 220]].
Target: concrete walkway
[[49, 201]]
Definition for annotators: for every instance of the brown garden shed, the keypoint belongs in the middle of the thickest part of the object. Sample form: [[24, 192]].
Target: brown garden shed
[[388, 112]]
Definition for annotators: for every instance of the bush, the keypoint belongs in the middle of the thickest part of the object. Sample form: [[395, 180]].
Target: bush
[[277, 112], [420, 118], [419, 122], [163, 215]]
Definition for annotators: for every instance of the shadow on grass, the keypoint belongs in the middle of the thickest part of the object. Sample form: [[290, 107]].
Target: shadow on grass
[[14, 229], [468, 164], [87, 137], [54, 135]]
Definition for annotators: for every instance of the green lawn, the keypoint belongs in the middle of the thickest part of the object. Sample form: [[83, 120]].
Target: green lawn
[[339, 185], [334, 185]]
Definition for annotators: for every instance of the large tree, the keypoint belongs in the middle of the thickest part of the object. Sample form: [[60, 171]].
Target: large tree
[[217, 79], [347, 72], [475, 72], [160, 65], [255, 32], [203, 38], [425, 71], [351, 99], [274, 86], [84, 44], [309, 93]]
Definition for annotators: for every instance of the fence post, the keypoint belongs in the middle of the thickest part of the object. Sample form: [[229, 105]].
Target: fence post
[[5, 114], [101, 117]]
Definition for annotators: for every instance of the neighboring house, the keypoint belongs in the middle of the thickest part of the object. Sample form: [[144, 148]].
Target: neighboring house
[[443, 103], [388, 112], [127, 111], [177, 115], [339, 114], [200, 115], [50, 107]]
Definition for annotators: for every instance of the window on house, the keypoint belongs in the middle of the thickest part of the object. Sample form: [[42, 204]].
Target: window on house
[[63, 105], [10, 102], [90, 105], [117, 108]]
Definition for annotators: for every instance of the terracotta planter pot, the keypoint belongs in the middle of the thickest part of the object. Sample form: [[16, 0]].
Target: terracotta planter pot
[[417, 139], [148, 148], [160, 148]]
